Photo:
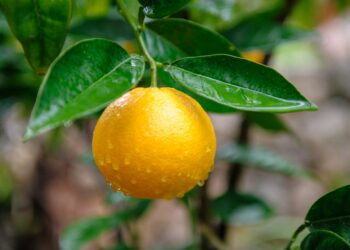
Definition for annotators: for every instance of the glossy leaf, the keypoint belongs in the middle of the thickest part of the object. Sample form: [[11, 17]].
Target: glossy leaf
[[166, 42], [324, 240], [263, 33], [239, 208], [86, 78], [331, 212], [162, 8], [238, 83], [79, 233], [171, 39], [108, 27], [261, 159], [206, 104], [267, 121], [40, 26]]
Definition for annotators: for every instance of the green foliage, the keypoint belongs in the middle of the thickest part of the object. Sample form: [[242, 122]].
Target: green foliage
[[40, 26], [224, 79], [324, 240], [161, 8], [263, 32], [335, 218], [238, 208], [260, 158], [328, 221], [208, 105], [268, 121], [171, 39], [108, 27], [84, 79], [79, 233], [180, 53]]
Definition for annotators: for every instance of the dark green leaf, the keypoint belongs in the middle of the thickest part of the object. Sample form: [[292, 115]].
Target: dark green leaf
[[238, 83], [171, 39], [238, 208], [166, 42], [207, 104], [263, 33], [40, 26], [324, 240], [86, 78], [268, 121], [260, 158], [331, 212], [162, 8], [103, 27], [79, 233]]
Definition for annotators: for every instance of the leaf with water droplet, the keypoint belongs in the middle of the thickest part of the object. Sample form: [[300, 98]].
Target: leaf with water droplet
[[81, 81], [238, 83]]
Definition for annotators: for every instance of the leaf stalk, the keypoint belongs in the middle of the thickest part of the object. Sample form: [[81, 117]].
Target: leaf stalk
[[138, 29]]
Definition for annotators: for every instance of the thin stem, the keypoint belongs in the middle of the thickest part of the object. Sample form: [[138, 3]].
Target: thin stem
[[295, 236], [204, 216], [192, 213], [137, 29], [236, 171], [214, 240]]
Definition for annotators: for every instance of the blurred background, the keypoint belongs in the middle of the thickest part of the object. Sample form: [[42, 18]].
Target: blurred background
[[51, 181]]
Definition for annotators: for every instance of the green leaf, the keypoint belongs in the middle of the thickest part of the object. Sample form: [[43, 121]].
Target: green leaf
[[324, 240], [331, 212], [171, 39], [108, 27], [239, 208], [268, 121], [238, 83], [263, 33], [206, 104], [84, 79], [41, 28], [162, 8], [261, 159], [79, 233]]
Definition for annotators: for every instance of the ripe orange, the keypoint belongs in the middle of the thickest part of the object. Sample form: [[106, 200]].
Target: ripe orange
[[154, 143], [254, 55]]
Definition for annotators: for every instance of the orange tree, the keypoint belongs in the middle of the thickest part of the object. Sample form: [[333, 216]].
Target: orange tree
[[157, 141]]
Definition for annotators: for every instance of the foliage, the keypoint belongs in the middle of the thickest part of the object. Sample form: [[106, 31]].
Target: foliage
[[193, 46], [328, 224]]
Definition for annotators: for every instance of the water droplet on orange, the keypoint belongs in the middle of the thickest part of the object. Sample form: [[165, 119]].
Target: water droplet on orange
[[201, 183], [115, 167], [110, 145], [180, 195]]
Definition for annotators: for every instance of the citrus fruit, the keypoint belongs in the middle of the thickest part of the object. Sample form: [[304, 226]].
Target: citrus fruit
[[254, 55], [154, 143]]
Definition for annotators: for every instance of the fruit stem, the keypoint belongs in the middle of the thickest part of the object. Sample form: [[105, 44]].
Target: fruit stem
[[295, 235], [137, 29]]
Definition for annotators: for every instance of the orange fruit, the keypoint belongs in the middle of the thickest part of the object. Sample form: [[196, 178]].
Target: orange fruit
[[254, 55], [154, 143]]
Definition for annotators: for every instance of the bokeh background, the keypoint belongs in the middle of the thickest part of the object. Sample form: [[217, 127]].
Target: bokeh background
[[51, 181]]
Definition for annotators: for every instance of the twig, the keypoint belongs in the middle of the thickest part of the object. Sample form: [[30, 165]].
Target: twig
[[295, 235], [214, 240], [236, 169], [138, 34], [204, 216]]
